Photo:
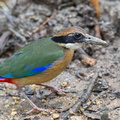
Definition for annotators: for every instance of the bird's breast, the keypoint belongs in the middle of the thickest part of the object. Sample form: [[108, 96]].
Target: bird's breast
[[50, 73]]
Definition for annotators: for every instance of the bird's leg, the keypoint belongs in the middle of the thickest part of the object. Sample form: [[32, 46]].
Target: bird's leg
[[56, 90], [34, 107]]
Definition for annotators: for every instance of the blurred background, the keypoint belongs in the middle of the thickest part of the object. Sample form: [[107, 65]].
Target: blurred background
[[24, 21]]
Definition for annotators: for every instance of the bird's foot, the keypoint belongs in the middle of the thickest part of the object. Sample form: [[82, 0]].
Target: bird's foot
[[56, 90], [34, 107], [59, 91], [37, 109]]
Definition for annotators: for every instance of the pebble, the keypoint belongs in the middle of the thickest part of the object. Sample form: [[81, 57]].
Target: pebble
[[16, 98], [38, 95], [43, 101], [29, 92], [100, 75], [82, 74], [14, 112], [8, 104], [78, 75], [76, 118], [115, 48], [1, 88], [107, 73], [103, 51], [100, 86], [55, 116], [112, 97], [114, 75], [44, 113], [64, 84]]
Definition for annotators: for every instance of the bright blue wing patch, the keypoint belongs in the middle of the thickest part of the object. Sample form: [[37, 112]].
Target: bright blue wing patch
[[31, 72], [8, 76], [40, 69]]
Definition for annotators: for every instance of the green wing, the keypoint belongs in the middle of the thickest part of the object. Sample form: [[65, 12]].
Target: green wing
[[31, 59]]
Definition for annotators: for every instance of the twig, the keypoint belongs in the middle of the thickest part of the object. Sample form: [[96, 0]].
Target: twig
[[61, 6], [3, 5], [65, 109], [45, 22], [17, 34], [97, 30], [115, 108], [91, 101], [3, 40], [111, 109], [84, 98], [96, 6], [8, 16], [92, 115]]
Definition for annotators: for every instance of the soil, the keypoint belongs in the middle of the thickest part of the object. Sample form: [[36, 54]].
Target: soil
[[23, 17]]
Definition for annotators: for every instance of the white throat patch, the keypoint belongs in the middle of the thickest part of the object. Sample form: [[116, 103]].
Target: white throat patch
[[73, 46]]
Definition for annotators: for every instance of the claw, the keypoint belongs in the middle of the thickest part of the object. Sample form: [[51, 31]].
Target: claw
[[37, 109], [56, 90]]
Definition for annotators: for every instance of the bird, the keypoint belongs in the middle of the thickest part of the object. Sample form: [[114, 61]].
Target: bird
[[44, 59]]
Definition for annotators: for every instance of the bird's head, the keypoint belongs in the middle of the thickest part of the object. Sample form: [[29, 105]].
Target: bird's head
[[74, 38]]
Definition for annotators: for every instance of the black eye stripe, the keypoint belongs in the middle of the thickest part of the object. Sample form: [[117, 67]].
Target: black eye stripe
[[70, 38]]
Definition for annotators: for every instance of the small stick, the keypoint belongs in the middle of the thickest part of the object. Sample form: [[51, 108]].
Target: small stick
[[3, 40], [65, 109], [8, 15], [17, 34], [97, 30], [45, 22], [84, 98], [3, 5], [91, 101], [96, 6]]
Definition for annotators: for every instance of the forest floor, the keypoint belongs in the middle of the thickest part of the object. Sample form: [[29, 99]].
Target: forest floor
[[18, 27]]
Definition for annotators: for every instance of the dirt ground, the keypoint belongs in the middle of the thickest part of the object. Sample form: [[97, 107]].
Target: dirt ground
[[17, 28]]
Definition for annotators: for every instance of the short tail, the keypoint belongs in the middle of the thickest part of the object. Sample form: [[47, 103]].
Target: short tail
[[8, 80], [5, 80]]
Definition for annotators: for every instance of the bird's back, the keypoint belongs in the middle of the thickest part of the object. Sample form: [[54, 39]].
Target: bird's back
[[39, 53]]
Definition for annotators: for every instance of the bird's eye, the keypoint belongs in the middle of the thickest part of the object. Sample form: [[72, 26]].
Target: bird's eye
[[77, 35]]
